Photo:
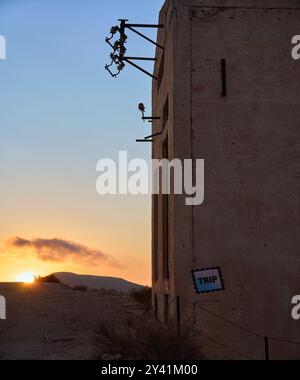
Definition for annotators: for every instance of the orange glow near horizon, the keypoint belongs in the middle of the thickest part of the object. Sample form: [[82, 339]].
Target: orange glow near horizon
[[22, 269], [49, 150], [26, 278], [118, 227]]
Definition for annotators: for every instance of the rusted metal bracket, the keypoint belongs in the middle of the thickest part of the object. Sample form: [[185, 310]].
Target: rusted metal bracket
[[149, 138], [118, 56], [224, 77]]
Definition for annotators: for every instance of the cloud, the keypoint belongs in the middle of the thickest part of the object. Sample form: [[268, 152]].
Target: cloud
[[59, 250]]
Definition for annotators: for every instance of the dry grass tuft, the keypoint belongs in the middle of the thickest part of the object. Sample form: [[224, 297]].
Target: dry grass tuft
[[80, 288], [147, 340], [47, 279], [142, 296]]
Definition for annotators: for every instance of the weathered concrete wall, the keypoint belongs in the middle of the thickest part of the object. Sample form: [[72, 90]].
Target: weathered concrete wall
[[162, 92], [249, 224]]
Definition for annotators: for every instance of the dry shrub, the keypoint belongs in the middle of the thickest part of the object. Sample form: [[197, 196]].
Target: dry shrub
[[47, 279], [147, 340], [80, 288], [142, 296]]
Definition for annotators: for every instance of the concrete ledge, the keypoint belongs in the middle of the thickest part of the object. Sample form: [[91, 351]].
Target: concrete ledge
[[261, 4]]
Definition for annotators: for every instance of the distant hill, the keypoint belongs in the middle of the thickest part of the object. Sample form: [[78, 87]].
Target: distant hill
[[96, 282]]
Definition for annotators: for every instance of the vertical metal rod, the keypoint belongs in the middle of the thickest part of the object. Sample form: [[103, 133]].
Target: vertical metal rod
[[267, 349], [224, 78], [178, 325], [178, 319]]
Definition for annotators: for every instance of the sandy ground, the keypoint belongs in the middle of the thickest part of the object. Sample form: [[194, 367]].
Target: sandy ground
[[51, 321]]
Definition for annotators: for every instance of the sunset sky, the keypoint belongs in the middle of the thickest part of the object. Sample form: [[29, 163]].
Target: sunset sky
[[60, 113]]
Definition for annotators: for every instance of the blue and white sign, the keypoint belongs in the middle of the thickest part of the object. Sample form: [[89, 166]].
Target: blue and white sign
[[208, 280]]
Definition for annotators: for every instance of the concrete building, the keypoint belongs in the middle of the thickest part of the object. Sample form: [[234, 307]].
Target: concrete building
[[230, 94]]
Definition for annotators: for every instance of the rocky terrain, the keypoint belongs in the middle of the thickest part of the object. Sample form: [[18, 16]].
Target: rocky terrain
[[52, 321]]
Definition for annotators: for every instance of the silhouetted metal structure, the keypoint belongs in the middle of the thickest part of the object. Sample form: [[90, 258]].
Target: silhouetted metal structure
[[118, 56], [147, 139]]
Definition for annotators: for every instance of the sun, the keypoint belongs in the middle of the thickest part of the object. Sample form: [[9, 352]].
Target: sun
[[26, 278]]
